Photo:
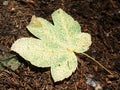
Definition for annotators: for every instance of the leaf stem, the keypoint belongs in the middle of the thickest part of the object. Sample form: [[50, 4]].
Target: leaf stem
[[98, 63]]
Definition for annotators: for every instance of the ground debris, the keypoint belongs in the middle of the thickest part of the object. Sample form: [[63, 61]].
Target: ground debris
[[100, 18]]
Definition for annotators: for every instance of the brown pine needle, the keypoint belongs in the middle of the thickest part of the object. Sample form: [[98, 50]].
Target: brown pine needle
[[98, 63]]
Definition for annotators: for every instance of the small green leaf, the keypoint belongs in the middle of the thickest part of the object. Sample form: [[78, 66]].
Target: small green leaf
[[5, 3], [10, 61], [55, 45]]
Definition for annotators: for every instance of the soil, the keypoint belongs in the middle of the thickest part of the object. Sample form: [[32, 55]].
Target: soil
[[100, 18]]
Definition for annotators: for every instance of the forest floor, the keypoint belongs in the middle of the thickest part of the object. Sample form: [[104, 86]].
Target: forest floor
[[100, 18]]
